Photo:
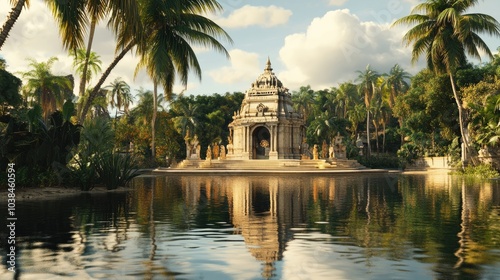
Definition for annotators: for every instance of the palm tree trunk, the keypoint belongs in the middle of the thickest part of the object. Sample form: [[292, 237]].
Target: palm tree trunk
[[153, 121], [383, 137], [463, 129], [400, 121], [11, 19], [103, 78], [368, 152], [83, 78]]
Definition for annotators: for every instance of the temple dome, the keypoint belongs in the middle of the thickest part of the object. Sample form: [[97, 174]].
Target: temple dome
[[268, 79]]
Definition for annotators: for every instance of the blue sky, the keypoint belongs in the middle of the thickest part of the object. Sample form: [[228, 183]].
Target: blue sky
[[319, 43]]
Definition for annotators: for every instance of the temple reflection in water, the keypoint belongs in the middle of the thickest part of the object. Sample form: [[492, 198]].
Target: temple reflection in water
[[251, 227], [263, 209]]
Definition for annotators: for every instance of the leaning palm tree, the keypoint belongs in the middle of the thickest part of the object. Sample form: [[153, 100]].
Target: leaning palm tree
[[170, 29], [368, 79], [181, 27], [82, 16], [445, 34], [49, 90], [12, 18]]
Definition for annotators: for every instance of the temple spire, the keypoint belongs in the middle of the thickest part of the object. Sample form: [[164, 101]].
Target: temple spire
[[268, 65]]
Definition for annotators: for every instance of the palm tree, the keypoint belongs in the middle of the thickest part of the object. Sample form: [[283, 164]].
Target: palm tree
[[346, 96], [164, 36], [170, 28], [303, 100], [49, 90], [368, 79], [119, 95], [91, 64], [396, 83], [83, 15], [186, 122], [144, 109], [355, 115], [446, 35], [12, 18]]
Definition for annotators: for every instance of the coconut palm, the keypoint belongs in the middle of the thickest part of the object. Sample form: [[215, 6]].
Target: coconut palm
[[12, 18], [186, 122], [355, 115], [167, 30], [91, 64], [346, 96], [170, 29], [119, 95], [303, 100], [144, 109], [396, 83], [82, 16], [445, 34], [368, 79], [49, 90]]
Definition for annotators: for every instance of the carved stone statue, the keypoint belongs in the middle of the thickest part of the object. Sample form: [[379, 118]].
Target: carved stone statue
[[315, 152], [216, 150], [222, 152], [339, 147], [324, 149], [209, 154], [198, 150]]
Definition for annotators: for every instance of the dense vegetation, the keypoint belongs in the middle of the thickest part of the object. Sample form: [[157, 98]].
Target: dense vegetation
[[450, 108]]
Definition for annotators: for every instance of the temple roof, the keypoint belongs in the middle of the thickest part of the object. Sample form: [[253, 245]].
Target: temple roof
[[268, 79]]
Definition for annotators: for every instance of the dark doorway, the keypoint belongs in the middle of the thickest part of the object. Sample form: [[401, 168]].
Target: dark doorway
[[261, 143]]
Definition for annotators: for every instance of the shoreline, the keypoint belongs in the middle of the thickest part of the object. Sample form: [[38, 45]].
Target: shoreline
[[49, 193]]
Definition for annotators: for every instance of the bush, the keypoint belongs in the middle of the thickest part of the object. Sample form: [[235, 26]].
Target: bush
[[115, 170], [407, 154], [482, 170], [380, 161], [81, 173]]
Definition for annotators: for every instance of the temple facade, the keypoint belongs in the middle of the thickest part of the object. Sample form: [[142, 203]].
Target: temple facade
[[266, 126]]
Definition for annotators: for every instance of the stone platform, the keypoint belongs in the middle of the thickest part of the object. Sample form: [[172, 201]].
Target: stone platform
[[269, 166]]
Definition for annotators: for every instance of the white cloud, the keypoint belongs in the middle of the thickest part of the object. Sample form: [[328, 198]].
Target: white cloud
[[243, 65], [255, 16], [337, 45], [337, 2]]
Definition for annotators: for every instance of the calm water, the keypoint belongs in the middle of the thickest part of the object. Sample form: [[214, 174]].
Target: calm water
[[266, 227]]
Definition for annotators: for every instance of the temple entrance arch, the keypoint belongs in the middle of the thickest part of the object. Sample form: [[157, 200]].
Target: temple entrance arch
[[261, 143]]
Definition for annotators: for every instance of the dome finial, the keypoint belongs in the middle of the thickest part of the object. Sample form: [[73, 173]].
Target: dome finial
[[268, 65]]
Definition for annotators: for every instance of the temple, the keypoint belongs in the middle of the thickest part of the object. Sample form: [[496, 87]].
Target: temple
[[266, 126]]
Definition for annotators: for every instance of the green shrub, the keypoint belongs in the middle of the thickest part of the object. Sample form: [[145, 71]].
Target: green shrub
[[380, 161], [81, 173], [115, 170], [407, 154], [482, 170]]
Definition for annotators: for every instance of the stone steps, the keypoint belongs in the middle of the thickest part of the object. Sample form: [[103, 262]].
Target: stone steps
[[269, 164]]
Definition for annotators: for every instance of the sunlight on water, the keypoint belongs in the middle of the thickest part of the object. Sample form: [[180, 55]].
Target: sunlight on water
[[410, 226]]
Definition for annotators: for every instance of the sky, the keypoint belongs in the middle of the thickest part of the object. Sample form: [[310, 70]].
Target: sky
[[320, 43]]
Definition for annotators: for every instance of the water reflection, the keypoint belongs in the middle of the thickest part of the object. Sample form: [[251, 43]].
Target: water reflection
[[249, 227]]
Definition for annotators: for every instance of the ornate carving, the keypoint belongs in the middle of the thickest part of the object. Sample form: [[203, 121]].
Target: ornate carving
[[262, 108]]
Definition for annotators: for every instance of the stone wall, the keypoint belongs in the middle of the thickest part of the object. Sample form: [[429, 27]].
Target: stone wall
[[431, 163]]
